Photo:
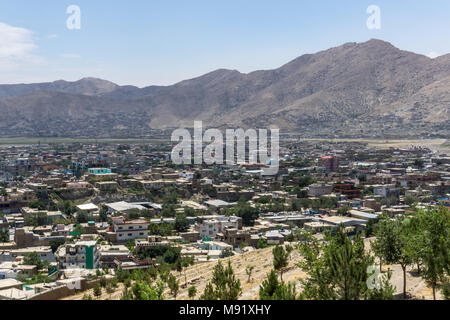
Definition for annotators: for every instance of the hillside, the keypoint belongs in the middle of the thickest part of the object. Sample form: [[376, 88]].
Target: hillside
[[357, 89]]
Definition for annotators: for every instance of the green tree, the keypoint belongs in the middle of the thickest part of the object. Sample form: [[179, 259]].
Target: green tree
[[56, 243], [97, 290], [174, 285], [4, 236], [272, 289], [226, 253], [280, 260], [392, 244], [142, 290], [249, 271], [192, 292], [33, 259], [224, 285], [337, 269], [181, 223], [436, 243], [262, 243]]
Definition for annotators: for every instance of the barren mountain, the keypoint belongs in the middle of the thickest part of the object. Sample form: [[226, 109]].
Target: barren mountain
[[357, 89]]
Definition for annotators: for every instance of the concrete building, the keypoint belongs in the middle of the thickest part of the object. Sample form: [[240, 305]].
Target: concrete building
[[80, 255], [131, 229]]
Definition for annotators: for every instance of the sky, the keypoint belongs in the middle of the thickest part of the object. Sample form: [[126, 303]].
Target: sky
[[161, 42]]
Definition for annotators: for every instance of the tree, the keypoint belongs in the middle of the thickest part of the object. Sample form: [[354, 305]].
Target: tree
[[174, 285], [4, 236], [337, 269], [82, 217], [248, 271], [446, 289], [144, 291], [103, 215], [262, 243], [185, 263], [436, 243], [224, 285], [369, 230], [392, 244], [168, 210], [192, 292], [56, 243], [280, 260], [36, 204], [97, 290], [181, 223], [248, 213], [33, 259], [226, 253], [409, 200], [272, 289], [344, 210]]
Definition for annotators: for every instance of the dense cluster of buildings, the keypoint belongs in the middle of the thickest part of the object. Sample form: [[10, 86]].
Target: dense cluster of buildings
[[90, 206]]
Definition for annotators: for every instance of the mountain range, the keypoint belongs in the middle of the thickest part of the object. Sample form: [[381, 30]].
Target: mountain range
[[357, 89]]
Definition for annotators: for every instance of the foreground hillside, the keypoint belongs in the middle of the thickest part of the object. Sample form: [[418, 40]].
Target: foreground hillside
[[199, 275]]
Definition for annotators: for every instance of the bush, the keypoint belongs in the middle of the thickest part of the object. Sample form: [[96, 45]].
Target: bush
[[192, 292], [97, 290]]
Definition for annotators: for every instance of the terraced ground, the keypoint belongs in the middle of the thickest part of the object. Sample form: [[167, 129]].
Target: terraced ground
[[199, 275]]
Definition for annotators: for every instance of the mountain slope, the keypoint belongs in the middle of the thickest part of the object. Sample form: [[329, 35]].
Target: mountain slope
[[351, 90]]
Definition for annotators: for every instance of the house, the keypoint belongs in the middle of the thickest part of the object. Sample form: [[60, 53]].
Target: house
[[99, 171], [122, 207], [88, 208], [108, 253], [319, 189], [79, 255], [107, 185], [211, 227], [386, 191], [126, 230]]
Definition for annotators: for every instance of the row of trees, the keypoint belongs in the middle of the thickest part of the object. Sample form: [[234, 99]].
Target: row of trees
[[337, 269], [421, 240]]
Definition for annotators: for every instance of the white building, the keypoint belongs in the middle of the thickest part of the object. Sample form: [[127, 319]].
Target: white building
[[130, 230], [211, 227]]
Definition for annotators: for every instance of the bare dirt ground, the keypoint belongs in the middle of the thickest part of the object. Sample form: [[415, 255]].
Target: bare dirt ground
[[199, 275], [439, 145]]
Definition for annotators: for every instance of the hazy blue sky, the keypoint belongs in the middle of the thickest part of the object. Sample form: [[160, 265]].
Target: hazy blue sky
[[145, 42]]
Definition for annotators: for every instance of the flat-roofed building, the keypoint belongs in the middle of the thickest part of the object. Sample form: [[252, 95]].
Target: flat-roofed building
[[130, 229], [79, 255]]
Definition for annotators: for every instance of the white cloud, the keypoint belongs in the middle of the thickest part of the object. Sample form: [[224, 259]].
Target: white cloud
[[16, 46], [52, 36], [70, 55], [433, 55]]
